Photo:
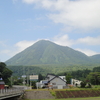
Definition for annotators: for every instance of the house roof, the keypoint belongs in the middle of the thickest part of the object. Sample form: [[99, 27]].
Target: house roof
[[51, 74], [2, 82], [56, 77]]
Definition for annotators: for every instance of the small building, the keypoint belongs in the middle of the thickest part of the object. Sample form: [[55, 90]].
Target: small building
[[56, 81], [75, 82], [42, 83], [2, 85]]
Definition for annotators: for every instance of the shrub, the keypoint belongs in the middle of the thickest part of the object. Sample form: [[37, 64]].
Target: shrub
[[83, 84]]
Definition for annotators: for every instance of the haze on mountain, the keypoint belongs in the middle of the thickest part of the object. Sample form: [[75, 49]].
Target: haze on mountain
[[47, 52]]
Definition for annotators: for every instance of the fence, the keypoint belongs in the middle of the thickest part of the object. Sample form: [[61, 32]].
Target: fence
[[7, 93]]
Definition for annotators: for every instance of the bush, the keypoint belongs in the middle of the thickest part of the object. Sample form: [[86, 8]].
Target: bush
[[89, 85], [83, 84], [34, 85]]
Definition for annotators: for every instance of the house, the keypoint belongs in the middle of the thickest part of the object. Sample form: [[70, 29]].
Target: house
[[75, 82], [2, 84], [42, 83], [56, 81]]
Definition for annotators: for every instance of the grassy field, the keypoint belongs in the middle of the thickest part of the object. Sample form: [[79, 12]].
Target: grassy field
[[96, 87], [92, 98]]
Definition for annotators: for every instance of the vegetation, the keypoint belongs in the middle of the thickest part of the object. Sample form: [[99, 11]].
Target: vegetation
[[16, 80], [46, 57], [33, 83], [77, 94], [89, 98], [94, 78], [87, 76], [68, 78], [5, 73], [44, 69]]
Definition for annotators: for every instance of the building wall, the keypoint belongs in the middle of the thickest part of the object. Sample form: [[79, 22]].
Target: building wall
[[58, 81], [74, 82], [2, 86]]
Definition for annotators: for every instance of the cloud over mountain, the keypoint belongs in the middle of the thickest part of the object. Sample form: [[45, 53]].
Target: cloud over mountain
[[79, 14]]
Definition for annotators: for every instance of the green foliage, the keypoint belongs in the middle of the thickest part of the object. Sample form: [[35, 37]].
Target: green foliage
[[40, 77], [94, 78], [80, 74], [96, 69], [68, 78], [16, 80], [44, 69], [33, 83], [83, 84], [89, 85], [5, 72]]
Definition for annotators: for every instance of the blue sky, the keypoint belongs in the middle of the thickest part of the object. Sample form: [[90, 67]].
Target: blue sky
[[73, 23]]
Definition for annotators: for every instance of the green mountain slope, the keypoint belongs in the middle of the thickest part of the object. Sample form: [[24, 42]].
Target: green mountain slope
[[46, 52], [96, 58]]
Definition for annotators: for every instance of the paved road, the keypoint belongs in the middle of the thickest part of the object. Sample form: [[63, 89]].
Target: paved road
[[20, 87]]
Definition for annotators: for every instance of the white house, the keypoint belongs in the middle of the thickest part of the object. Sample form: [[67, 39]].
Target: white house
[[57, 81], [75, 82], [42, 83]]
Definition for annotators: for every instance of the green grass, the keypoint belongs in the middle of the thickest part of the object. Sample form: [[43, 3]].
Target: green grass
[[53, 92], [91, 98]]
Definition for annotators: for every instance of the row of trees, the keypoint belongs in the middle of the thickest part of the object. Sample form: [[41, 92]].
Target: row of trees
[[16, 80], [87, 76]]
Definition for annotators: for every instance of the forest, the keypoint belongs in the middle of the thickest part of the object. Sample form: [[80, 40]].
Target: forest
[[86, 75]]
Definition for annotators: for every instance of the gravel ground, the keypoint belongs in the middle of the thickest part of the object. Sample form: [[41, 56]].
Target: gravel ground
[[38, 95]]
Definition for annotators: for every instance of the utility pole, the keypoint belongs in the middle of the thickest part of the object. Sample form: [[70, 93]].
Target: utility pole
[[11, 80]]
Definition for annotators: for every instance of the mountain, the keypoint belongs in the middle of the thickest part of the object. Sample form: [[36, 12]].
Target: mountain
[[96, 58], [47, 52]]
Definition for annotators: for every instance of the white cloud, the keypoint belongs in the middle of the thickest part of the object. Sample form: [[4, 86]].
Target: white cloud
[[30, 1], [87, 52], [66, 41], [89, 40], [63, 40], [5, 51], [23, 45], [81, 14]]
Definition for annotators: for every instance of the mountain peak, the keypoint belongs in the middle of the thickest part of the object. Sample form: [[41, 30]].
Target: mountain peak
[[47, 52]]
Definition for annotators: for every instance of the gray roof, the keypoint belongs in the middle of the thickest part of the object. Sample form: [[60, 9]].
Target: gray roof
[[57, 77], [2, 82]]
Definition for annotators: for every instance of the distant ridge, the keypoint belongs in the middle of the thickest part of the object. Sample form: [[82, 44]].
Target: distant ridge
[[47, 52]]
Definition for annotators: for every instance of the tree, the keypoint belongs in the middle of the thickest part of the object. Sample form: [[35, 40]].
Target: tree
[[94, 78], [83, 84], [96, 69], [6, 73], [68, 78], [33, 83], [40, 77]]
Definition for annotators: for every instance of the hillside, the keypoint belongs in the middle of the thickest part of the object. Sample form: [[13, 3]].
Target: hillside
[[96, 57], [46, 52]]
